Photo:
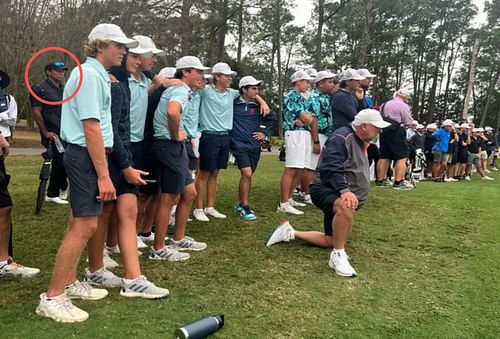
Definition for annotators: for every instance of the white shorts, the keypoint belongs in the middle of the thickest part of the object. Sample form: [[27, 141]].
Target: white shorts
[[298, 149], [313, 163]]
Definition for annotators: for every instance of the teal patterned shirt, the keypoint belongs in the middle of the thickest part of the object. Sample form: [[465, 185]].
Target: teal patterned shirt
[[319, 106], [293, 105]]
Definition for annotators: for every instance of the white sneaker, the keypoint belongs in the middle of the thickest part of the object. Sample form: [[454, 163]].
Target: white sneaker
[[487, 178], [168, 253], [283, 233], [140, 243], [289, 209], [143, 288], [210, 211], [294, 203], [308, 200], [187, 244], [108, 261], [116, 250], [57, 200], [149, 238], [103, 278], [82, 290], [487, 171], [494, 169], [60, 309], [199, 215], [63, 195], [15, 269], [340, 263], [467, 178]]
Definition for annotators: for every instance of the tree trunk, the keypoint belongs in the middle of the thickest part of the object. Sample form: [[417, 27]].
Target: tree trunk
[[186, 30], [318, 55], [240, 32], [470, 83], [365, 35], [489, 96]]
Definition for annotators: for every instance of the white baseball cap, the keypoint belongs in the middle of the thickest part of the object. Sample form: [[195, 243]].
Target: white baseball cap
[[475, 130], [300, 75], [448, 122], [402, 92], [480, 129], [322, 75], [146, 43], [190, 62], [351, 74], [370, 116], [420, 126], [488, 128], [111, 32], [167, 72], [366, 73], [222, 68], [312, 72], [249, 81], [432, 126], [464, 125]]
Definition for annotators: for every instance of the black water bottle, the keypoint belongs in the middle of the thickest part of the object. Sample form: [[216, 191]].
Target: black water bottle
[[200, 328]]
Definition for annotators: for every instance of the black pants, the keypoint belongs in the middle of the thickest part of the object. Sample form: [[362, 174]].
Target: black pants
[[5, 200], [58, 178]]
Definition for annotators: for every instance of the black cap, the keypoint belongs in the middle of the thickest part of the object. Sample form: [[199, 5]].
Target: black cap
[[58, 65], [4, 80]]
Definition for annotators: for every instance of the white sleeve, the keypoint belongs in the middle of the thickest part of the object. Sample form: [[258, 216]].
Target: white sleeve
[[9, 118]]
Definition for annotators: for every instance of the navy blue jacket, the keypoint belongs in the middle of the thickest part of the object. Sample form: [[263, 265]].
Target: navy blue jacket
[[246, 121], [344, 108], [120, 119], [343, 165]]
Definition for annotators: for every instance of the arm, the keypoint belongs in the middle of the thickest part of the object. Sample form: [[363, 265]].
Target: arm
[[95, 147], [4, 147], [9, 118], [36, 113], [119, 154], [270, 123], [174, 120], [315, 136], [264, 107]]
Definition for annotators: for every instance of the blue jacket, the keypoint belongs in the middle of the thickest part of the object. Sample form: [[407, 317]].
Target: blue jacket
[[344, 108], [442, 138], [246, 121]]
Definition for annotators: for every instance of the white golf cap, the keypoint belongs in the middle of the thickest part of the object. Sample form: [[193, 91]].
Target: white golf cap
[[190, 62], [366, 73], [167, 72], [146, 43], [370, 116], [351, 74], [420, 126], [448, 122], [414, 122], [432, 126], [111, 32], [475, 130], [300, 75], [488, 128], [456, 125], [312, 72], [402, 92], [222, 68], [322, 75], [249, 81], [464, 125], [480, 129]]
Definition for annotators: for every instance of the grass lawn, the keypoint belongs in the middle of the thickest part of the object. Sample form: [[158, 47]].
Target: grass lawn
[[428, 262]]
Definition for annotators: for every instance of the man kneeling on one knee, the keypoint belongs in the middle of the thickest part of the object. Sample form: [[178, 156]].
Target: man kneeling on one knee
[[340, 188]]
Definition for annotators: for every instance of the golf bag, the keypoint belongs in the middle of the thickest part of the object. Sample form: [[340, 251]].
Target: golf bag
[[419, 165]]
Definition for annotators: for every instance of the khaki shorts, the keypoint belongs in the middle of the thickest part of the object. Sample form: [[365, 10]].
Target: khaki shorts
[[484, 155]]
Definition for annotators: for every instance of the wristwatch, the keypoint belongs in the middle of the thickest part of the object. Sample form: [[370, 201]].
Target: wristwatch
[[316, 142]]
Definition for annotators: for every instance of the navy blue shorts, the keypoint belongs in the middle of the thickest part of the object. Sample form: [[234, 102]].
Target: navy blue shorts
[[82, 182], [5, 200], [247, 158], [214, 151], [393, 144], [173, 160], [324, 198], [193, 160], [144, 160], [118, 179]]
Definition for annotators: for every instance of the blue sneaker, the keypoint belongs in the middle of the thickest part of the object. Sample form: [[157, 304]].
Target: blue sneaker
[[238, 208], [247, 214]]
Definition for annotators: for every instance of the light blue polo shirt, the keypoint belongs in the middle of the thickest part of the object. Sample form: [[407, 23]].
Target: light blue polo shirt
[[138, 106], [160, 122], [190, 118], [93, 101], [216, 110]]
